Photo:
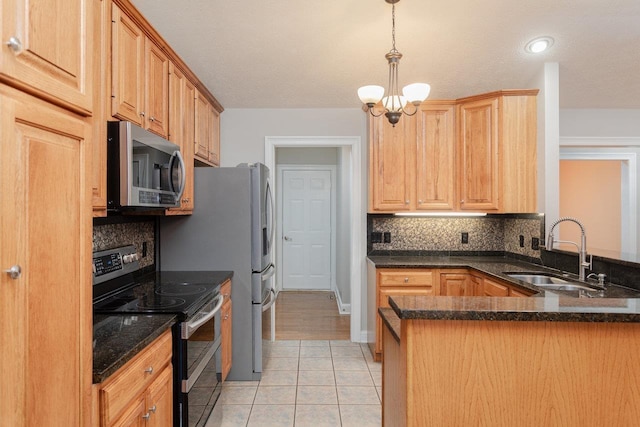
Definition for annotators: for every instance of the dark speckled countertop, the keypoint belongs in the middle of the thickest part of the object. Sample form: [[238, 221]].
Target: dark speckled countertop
[[619, 304], [117, 338]]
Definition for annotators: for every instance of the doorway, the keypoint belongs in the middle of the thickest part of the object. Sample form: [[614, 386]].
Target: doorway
[[353, 235]]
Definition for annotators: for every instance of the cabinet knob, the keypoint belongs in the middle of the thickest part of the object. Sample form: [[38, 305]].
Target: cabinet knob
[[153, 409], [406, 202], [142, 113], [153, 119], [462, 201], [420, 201], [406, 280], [226, 317], [15, 44], [14, 272], [185, 200], [149, 370], [146, 416]]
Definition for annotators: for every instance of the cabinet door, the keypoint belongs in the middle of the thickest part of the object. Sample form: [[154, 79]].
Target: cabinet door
[[156, 89], [392, 164], [135, 416], [45, 312], [454, 284], [214, 136], [51, 51], [181, 93], [160, 400], [226, 330], [435, 158], [101, 27], [478, 162], [202, 131], [495, 289], [127, 68]]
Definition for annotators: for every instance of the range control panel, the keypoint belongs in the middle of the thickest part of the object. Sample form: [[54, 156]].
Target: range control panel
[[113, 263]]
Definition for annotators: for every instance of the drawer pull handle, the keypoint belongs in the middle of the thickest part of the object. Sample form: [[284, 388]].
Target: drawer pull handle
[[149, 370]]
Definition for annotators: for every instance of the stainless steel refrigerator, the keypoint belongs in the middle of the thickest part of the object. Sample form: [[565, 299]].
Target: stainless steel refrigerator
[[231, 228]]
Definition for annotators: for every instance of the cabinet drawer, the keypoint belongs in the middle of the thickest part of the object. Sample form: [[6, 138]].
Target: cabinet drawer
[[123, 386], [495, 289], [405, 278]]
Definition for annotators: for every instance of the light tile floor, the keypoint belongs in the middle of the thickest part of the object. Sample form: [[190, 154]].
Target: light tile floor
[[306, 383]]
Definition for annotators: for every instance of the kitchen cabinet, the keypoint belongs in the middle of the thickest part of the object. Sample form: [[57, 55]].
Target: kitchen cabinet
[[476, 153], [141, 392], [139, 76], [101, 37], [207, 133], [497, 152], [47, 50], [45, 242], [456, 283], [181, 130], [226, 330], [491, 288], [406, 282]]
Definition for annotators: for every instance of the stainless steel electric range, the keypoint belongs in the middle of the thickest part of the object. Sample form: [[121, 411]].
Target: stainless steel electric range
[[120, 287]]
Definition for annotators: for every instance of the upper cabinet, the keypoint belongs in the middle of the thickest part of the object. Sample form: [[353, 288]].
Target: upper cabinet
[[46, 50], [473, 154], [140, 76], [207, 143]]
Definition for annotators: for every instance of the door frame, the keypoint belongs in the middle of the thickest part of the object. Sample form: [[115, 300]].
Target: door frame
[[279, 226], [358, 234]]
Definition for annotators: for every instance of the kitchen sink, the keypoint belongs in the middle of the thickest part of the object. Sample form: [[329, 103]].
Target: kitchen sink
[[538, 279], [549, 282]]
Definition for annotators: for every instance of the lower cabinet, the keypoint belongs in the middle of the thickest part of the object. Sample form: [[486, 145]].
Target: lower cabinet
[[226, 330], [141, 392]]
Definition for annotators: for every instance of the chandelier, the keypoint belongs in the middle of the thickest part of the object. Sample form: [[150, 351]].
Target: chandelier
[[394, 104]]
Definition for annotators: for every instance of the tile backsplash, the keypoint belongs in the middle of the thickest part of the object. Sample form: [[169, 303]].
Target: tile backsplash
[[495, 233], [107, 236]]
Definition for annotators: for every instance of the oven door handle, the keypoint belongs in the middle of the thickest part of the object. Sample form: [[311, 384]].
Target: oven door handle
[[189, 328]]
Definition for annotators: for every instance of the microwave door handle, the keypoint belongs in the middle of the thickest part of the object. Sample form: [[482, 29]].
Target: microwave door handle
[[183, 170], [189, 327]]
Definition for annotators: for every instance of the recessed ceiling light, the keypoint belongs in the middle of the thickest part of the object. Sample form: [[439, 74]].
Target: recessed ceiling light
[[539, 44]]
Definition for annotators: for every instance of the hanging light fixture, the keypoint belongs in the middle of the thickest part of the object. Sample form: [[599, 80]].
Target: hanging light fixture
[[394, 104]]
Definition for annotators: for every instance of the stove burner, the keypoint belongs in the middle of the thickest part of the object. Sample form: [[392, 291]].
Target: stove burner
[[160, 304], [177, 289]]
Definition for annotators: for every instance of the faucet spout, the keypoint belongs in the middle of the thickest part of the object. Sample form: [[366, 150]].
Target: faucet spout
[[583, 264]]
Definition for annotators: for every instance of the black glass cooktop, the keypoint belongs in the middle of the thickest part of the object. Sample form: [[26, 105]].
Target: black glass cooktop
[[159, 293]]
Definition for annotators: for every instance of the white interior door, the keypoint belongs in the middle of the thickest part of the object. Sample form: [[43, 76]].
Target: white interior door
[[306, 229]]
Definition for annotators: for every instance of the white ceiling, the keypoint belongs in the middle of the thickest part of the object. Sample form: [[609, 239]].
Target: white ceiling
[[305, 54]]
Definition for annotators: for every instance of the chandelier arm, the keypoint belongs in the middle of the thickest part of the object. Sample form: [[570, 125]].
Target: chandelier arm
[[415, 110], [375, 115]]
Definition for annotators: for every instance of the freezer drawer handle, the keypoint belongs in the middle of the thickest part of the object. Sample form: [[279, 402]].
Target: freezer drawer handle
[[268, 274]]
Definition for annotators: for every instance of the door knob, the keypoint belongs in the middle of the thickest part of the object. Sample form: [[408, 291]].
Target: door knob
[[287, 238], [15, 44], [14, 272]]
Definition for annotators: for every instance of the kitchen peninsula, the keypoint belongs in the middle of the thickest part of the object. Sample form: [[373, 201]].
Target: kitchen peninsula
[[548, 359]]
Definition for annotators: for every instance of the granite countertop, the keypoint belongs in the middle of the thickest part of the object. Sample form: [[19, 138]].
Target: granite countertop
[[117, 338], [618, 305]]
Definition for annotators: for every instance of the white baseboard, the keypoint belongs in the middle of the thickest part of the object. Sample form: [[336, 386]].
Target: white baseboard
[[367, 337], [342, 307]]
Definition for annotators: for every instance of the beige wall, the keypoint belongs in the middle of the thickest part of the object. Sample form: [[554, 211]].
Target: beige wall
[[590, 191]]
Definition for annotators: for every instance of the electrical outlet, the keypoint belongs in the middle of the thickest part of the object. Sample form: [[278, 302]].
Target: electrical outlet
[[535, 243], [521, 241], [465, 237], [387, 237], [376, 237], [144, 249]]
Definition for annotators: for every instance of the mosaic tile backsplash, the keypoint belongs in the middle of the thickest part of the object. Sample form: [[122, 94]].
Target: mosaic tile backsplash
[[113, 235], [445, 234]]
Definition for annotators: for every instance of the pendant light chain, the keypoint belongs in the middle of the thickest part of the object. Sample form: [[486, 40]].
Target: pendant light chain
[[393, 26]]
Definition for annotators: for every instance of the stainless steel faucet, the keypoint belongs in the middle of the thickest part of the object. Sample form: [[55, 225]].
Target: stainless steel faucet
[[582, 259]]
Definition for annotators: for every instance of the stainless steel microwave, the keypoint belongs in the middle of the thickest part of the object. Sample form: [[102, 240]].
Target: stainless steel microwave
[[144, 170]]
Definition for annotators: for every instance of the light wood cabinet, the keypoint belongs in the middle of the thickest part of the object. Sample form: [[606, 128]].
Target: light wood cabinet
[[226, 330], [207, 132], [47, 50], [139, 73], [401, 282], [141, 391], [214, 136], [456, 284], [181, 130], [497, 152], [492, 288], [45, 231], [471, 154]]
